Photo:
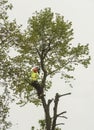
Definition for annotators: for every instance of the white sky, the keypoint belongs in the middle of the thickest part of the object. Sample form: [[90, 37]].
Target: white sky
[[80, 105]]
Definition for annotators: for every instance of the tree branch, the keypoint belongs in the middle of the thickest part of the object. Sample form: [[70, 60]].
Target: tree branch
[[55, 111], [50, 101], [64, 94], [61, 113], [46, 50], [38, 52], [28, 81], [60, 124], [47, 113]]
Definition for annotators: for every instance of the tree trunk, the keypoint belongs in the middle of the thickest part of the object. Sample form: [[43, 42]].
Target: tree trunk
[[55, 111], [47, 114]]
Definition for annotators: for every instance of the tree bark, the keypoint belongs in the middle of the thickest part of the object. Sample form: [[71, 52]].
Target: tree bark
[[55, 111], [47, 114]]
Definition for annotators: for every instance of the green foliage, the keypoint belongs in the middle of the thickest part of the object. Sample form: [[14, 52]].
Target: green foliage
[[8, 32], [42, 124], [50, 37], [47, 42], [4, 64], [5, 100]]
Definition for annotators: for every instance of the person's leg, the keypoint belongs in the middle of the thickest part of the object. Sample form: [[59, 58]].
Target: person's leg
[[38, 88]]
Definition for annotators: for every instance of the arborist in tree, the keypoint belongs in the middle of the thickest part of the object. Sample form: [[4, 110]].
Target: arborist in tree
[[34, 81]]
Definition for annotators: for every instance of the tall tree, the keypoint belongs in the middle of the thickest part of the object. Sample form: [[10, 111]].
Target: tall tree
[[47, 43], [4, 95], [8, 32]]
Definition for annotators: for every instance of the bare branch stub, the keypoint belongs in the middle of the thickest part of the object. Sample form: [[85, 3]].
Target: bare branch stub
[[60, 124], [61, 113], [65, 94]]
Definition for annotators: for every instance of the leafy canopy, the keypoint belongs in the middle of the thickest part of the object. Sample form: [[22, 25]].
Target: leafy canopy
[[47, 42], [4, 63]]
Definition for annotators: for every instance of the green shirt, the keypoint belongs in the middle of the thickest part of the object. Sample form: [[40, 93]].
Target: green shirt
[[34, 76]]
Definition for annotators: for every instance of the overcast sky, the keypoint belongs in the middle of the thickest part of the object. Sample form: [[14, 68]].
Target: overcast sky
[[80, 105]]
